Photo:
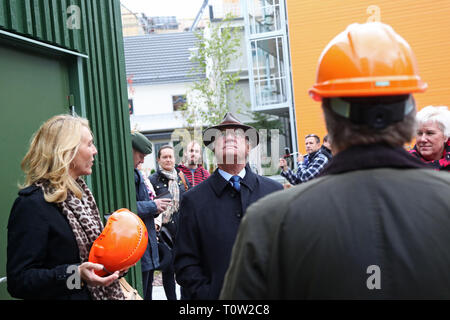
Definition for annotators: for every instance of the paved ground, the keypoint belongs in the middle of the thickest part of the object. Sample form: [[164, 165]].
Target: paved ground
[[158, 293], [158, 289]]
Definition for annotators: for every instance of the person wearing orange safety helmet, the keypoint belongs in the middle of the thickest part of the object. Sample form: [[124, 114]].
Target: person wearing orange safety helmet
[[383, 231]]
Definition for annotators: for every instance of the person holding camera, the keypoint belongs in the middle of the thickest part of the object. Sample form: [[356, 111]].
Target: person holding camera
[[309, 166]]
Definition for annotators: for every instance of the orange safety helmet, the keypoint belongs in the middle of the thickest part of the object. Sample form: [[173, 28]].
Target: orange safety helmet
[[121, 244], [368, 59]]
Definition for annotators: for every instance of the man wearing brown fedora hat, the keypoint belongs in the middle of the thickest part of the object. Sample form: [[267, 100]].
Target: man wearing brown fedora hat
[[211, 212]]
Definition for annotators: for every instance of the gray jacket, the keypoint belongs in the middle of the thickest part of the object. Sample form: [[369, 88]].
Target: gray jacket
[[369, 229]]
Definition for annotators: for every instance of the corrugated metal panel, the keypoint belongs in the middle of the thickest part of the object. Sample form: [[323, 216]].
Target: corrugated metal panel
[[43, 20], [312, 24], [106, 98], [100, 37], [103, 80]]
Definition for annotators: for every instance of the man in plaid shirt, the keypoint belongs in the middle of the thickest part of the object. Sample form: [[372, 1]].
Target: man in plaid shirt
[[309, 166]]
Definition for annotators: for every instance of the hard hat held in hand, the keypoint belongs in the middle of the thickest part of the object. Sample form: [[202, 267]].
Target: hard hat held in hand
[[121, 244], [368, 59]]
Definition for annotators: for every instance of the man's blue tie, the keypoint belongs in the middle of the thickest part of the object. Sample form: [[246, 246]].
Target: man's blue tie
[[235, 180]]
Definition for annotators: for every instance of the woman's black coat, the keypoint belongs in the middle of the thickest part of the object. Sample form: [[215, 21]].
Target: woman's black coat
[[161, 185], [42, 250]]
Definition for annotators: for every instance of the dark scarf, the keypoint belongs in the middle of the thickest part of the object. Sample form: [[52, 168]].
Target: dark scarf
[[310, 157], [441, 164], [371, 157], [326, 152]]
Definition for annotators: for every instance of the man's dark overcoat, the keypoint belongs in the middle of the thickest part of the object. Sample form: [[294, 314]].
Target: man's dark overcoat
[[210, 215]]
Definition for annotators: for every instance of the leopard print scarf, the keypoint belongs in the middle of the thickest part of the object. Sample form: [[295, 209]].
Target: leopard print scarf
[[84, 219]]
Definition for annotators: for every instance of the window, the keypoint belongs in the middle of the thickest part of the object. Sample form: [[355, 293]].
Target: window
[[130, 106], [264, 16], [269, 74], [268, 58], [178, 102]]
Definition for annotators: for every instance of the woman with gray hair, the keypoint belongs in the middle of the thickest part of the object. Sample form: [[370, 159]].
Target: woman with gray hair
[[432, 138]]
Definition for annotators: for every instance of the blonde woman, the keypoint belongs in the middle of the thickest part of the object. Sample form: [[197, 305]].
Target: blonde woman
[[55, 219]]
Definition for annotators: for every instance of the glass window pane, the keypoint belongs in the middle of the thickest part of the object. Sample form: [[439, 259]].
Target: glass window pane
[[269, 76], [264, 15]]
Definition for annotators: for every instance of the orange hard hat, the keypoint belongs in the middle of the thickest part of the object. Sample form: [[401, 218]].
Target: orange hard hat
[[121, 244], [368, 59]]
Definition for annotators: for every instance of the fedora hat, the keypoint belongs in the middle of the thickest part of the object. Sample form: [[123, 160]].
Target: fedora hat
[[230, 122]]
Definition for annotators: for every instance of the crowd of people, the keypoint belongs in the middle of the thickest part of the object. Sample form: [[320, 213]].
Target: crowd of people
[[360, 199]]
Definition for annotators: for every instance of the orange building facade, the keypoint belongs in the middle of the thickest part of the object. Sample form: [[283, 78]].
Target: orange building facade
[[312, 24]]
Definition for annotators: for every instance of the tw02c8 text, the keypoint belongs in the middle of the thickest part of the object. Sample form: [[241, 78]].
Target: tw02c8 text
[[246, 309]]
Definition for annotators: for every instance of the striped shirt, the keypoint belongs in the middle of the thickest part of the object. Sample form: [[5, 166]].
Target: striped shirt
[[199, 174]]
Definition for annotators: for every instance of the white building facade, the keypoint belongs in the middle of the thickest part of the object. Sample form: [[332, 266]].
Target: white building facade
[[159, 72]]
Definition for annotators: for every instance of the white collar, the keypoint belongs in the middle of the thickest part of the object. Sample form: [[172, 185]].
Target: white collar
[[228, 176]]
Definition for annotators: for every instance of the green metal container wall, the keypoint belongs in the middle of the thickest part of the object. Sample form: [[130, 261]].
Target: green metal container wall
[[98, 84], [44, 20]]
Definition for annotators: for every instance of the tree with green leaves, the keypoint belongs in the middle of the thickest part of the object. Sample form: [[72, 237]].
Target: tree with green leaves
[[209, 97]]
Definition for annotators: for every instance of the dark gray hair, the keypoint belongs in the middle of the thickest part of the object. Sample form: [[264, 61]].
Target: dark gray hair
[[312, 135], [345, 133]]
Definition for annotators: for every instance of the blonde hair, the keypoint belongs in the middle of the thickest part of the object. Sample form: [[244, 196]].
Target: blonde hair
[[52, 149]]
